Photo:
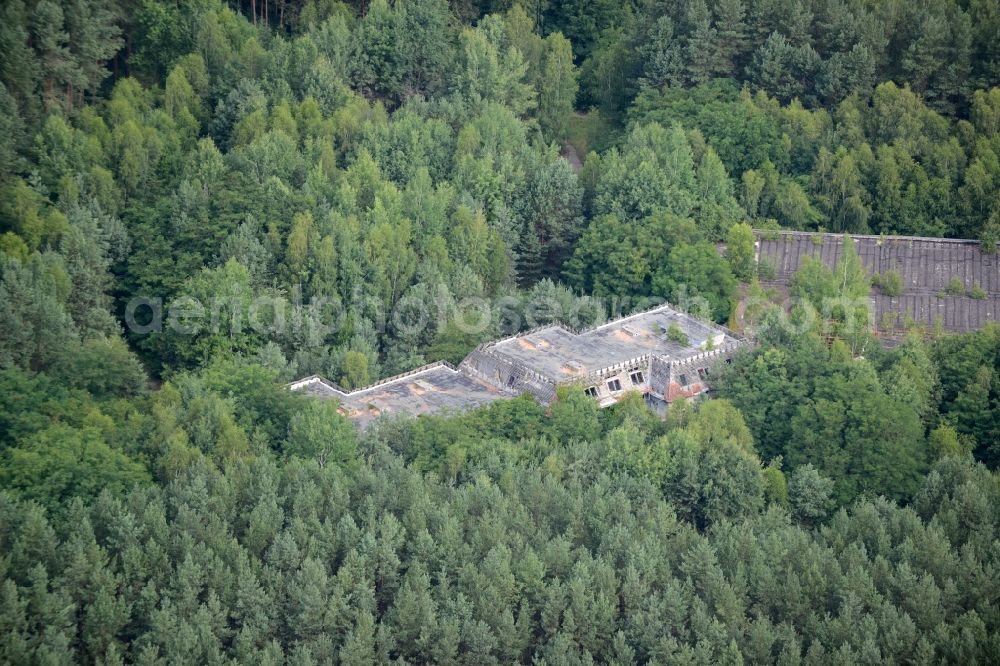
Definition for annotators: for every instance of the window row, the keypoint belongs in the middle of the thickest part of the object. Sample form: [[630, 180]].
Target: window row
[[615, 385]]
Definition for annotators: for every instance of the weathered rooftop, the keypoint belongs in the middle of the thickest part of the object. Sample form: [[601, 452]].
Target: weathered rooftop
[[563, 355], [926, 266], [434, 388], [631, 353]]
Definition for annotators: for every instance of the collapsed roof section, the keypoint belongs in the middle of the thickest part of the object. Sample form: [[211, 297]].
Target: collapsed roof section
[[662, 353]]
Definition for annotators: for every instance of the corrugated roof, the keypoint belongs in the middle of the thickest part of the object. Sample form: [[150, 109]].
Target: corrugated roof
[[926, 266]]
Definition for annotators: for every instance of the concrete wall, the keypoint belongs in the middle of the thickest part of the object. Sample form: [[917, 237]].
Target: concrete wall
[[507, 375]]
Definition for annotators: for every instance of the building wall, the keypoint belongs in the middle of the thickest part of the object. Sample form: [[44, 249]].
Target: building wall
[[691, 378], [606, 396], [659, 377], [677, 389], [507, 375]]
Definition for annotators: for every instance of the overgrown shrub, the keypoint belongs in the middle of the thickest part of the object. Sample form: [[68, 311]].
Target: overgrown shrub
[[889, 283]]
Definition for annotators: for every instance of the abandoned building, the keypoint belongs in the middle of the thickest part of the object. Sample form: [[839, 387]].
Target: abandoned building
[[662, 353], [947, 284]]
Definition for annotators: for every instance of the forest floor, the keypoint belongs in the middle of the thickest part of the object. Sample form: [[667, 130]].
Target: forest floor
[[570, 155], [588, 132]]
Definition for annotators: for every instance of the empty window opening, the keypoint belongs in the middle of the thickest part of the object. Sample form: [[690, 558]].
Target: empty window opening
[[637, 377], [592, 391], [615, 385], [683, 379]]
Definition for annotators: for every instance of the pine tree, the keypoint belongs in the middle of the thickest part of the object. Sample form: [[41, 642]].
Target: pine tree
[[308, 601], [730, 33], [703, 60], [937, 62], [20, 69], [87, 248], [429, 45], [58, 71], [34, 323], [662, 56], [95, 38], [359, 645], [412, 615], [379, 64], [985, 55], [771, 67], [11, 135]]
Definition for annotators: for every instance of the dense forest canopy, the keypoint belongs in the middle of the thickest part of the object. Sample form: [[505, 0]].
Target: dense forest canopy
[[202, 200]]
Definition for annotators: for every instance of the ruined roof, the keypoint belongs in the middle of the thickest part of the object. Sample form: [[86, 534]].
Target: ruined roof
[[563, 355], [926, 266], [954, 313], [534, 362], [434, 388]]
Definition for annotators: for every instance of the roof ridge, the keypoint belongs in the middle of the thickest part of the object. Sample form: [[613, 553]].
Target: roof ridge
[[402, 375]]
